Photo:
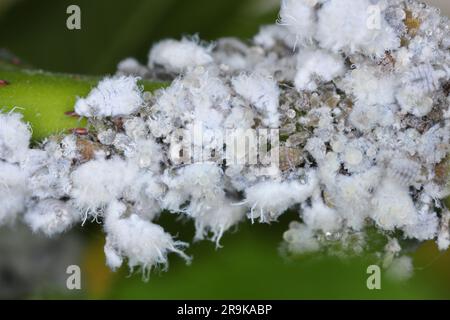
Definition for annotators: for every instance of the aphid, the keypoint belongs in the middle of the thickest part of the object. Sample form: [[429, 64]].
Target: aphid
[[441, 171], [444, 233], [361, 139], [71, 114], [87, 149], [290, 158], [387, 62], [80, 131], [112, 97], [423, 77], [404, 171], [297, 139]]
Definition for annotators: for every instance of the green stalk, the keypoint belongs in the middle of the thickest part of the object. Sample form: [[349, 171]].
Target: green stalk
[[44, 98]]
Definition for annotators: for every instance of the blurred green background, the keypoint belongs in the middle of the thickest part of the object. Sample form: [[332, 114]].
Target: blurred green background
[[249, 265], [111, 30]]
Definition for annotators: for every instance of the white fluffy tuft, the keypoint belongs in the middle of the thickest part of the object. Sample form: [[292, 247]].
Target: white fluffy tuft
[[177, 56], [15, 137], [99, 182], [263, 93], [112, 97], [51, 217], [143, 243], [345, 25]]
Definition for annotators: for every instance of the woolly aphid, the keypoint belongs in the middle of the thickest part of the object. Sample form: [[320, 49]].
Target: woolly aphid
[[364, 120]]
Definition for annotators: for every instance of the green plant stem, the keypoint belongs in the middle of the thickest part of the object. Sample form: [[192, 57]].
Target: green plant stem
[[44, 98]]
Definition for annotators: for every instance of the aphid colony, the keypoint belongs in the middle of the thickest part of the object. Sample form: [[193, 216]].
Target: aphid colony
[[364, 121]]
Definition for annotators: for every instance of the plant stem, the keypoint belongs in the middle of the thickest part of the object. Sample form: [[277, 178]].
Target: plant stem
[[44, 98]]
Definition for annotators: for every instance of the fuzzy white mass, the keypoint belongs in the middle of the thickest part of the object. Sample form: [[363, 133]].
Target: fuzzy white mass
[[99, 182], [143, 243], [112, 97], [13, 192], [401, 269], [299, 17], [177, 56], [355, 26], [263, 93], [15, 137], [51, 216], [317, 64], [283, 195], [358, 89]]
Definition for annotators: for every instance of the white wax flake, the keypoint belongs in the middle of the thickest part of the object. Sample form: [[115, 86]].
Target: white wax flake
[[217, 219], [425, 227], [270, 35], [414, 102], [299, 18], [131, 66], [142, 243], [355, 26], [357, 89], [370, 87], [318, 64], [319, 216], [301, 239], [366, 117], [353, 156], [99, 182], [177, 56], [405, 171], [263, 93], [200, 182], [15, 137], [145, 153], [401, 269], [112, 97], [283, 195], [351, 195], [51, 217], [444, 231], [393, 206], [13, 192]]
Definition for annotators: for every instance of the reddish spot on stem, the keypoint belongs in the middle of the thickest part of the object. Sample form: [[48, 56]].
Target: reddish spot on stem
[[3, 83], [80, 131], [71, 114]]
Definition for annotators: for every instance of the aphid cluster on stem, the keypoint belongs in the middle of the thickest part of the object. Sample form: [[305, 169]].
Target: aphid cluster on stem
[[364, 139]]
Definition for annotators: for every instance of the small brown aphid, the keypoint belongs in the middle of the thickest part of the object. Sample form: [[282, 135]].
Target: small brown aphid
[[118, 123], [80, 131], [71, 114], [441, 171], [446, 87], [3, 83], [87, 149], [387, 62], [289, 158]]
